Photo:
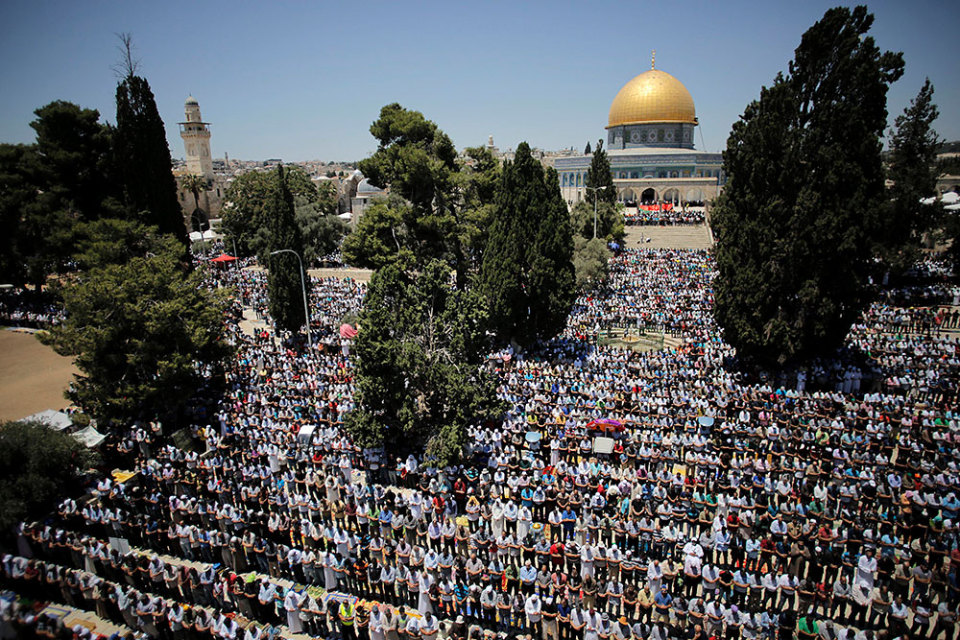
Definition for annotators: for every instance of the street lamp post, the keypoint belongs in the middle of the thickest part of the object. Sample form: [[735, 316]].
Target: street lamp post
[[595, 189], [303, 286]]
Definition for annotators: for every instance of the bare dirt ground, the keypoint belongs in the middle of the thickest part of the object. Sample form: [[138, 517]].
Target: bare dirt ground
[[32, 376], [676, 237]]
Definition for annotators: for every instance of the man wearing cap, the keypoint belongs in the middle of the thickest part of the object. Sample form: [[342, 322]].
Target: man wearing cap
[[621, 630], [458, 630]]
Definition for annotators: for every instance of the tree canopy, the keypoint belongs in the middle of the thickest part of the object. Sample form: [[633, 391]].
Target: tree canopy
[[443, 204], [284, 277], [527, 274], [419, 351], [798, 216], [590, 262], [609, 220], [143, 159], [599, 179], [142, 329], [913, 169], [38, 466], [247, 227], [48, 187]]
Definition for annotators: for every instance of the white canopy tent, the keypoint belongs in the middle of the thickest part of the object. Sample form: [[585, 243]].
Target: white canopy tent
[[56, 420], [89, 437], [209, 234]]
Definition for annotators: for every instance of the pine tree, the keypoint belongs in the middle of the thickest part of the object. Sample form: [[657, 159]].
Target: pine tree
[[599, 180], [143, 159], [586, 150], [140, 324], [419, 355], [527, 274], [798, 217], [284, 284]]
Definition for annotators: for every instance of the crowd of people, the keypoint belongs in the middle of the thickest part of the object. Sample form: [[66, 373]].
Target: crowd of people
[[651, 216], [28, 309], [819, 502]]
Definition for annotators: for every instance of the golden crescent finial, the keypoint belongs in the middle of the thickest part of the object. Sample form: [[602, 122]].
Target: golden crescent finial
[[653, 59]]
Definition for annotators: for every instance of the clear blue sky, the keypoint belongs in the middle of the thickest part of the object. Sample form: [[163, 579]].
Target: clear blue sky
[[303, 80]]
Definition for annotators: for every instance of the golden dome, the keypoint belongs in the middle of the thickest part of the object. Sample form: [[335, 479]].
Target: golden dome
[[653, 96]]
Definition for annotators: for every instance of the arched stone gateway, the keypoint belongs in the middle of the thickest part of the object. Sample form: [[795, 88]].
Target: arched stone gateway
[[627, 195], [648, 196], [671, 195], [199, 220]]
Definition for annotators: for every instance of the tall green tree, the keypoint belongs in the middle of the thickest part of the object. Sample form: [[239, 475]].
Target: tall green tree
[[528, 275], [142, 329], [798, 217], [476, 183], [383, 236], [599, 180], [284, 284], [115, 241], [49, 187], [38, 466], [16, 193], [246, 227], [913, 169], [315, 213], [418, 162], [419, 353], [72, 160], [143, 156]]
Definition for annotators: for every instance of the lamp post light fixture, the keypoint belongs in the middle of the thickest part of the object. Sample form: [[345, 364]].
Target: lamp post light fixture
[[595, 189], [303, 286]]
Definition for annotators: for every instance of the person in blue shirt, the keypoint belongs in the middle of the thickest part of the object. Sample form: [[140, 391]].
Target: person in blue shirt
[[569, 520], [662, 602]]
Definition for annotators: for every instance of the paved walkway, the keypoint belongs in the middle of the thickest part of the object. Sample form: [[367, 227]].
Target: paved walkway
[[687, 236]]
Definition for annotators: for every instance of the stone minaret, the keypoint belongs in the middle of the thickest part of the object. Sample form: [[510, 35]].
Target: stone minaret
[[196, 140]]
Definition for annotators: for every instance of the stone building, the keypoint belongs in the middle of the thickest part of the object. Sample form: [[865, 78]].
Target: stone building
[[201, 208]]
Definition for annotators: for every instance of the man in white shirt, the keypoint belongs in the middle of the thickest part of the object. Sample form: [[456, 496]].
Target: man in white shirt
[[533, 608]]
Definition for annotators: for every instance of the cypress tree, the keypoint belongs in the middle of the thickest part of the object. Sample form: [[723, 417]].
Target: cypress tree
[[798, 217], [527, 273], [600, 177], [283, 274], [143, 159]]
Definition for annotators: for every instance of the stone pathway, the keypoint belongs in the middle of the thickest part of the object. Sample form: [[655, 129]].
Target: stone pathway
[[676, 237]]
